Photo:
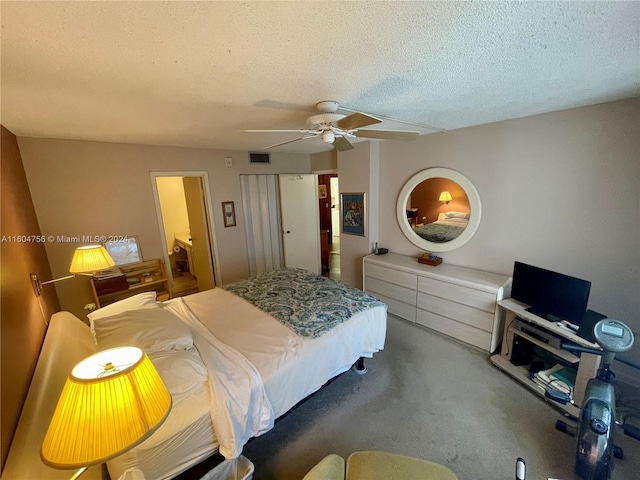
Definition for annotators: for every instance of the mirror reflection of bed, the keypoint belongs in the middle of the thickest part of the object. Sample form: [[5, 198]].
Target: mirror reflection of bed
[[434, 218], [447, 227]]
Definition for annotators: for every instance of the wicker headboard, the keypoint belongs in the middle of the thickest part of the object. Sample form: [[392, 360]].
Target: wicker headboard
[[68, 341]]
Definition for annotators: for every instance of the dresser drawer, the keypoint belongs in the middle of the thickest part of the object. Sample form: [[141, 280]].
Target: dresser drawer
[[399, 309], [454, 300], [457, 330], [467, 296], [408, 280], [456, 311], [391, 290]]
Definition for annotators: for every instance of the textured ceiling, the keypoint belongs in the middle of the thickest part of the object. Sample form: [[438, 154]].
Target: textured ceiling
[[198, 73]]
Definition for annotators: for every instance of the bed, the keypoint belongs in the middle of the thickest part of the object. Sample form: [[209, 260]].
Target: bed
[[233, 368], [448, 226]]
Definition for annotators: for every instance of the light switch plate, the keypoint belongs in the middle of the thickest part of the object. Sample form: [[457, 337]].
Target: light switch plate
[[228, 162]]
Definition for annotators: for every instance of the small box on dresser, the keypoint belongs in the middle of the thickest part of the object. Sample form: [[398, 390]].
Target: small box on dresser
[[457, 301]]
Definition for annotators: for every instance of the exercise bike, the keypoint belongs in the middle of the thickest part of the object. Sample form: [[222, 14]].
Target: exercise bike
[[594, 449]]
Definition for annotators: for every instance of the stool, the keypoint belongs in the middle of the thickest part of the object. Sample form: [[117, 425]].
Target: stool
[[375, 465]]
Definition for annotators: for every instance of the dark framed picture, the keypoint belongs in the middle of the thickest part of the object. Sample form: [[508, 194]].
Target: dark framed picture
[[354, 214], [229, 214]]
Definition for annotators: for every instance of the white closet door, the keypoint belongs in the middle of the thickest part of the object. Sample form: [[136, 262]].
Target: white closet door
[[260, 202], [300, 221]]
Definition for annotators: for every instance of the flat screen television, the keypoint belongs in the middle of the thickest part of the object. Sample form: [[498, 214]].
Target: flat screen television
[[551, 295]]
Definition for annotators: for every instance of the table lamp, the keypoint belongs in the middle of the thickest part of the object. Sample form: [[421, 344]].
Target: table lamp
[[86, 261], [90, 259], [111, 402], [445, 197]]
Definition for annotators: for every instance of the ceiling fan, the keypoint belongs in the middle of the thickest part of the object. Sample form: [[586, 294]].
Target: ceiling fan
[[336, 128]]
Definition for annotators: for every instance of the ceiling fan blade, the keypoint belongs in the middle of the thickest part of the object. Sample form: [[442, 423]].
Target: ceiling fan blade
[[397, 120], [299, 130], [304, 137], [284, 143], [356, 120], [342, 144], [388, 134]]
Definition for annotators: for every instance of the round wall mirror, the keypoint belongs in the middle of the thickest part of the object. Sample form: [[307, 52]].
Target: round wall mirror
[[439, 209]]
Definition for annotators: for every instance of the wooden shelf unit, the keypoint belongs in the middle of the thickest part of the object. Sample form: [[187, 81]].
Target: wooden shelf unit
[[154, 271], [587, 363]]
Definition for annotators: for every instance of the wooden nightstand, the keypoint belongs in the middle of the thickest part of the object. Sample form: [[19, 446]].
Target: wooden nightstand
[[150, 275]]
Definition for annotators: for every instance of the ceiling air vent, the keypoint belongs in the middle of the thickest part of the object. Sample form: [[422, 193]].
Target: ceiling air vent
[[259, 158]]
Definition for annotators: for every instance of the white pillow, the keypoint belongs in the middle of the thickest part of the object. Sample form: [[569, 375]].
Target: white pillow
[[457, 215], [150, 329], [142, 300], [182, 372]]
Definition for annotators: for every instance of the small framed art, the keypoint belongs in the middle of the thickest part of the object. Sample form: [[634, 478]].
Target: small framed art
[[229, 214], [322, 191], [354, 215]]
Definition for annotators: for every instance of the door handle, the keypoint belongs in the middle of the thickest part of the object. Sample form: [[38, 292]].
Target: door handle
[[288, 231]]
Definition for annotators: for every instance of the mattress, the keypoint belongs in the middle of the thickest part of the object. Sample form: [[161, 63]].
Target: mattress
[[291, 368]]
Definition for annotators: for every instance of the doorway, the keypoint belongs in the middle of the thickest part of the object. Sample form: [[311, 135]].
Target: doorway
[[183, 207], [334, 251]]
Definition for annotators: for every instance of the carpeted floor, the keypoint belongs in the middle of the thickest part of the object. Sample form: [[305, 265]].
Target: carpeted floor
[[429, 397]]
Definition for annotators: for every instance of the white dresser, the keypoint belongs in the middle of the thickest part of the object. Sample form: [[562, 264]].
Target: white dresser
[[457, 301]]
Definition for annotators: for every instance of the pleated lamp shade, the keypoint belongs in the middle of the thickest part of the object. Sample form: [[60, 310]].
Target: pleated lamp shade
[[445, 197], [111, 401], [91, 258]]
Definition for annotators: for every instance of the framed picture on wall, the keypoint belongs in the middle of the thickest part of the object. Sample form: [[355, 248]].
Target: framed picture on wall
[[229, 213], [322, 191], [354, 214]]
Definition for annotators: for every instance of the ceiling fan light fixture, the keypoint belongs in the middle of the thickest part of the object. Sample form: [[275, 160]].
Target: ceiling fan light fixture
[[327, 106], [335, 128], [328, 137]]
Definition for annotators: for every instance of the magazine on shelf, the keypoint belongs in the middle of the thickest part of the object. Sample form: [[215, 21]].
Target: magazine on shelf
[[557, 377], [109, 273]]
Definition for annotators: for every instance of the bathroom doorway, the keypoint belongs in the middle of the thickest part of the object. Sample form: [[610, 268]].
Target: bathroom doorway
[[334, 252], [183, 206]]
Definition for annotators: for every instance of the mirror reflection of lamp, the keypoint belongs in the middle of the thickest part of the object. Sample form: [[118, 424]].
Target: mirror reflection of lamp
[[445, 197]]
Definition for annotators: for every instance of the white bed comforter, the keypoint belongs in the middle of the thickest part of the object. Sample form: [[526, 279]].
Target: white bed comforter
[[257, 370], [240, 408]]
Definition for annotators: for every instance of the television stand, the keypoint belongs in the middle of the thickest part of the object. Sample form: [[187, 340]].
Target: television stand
[[546, 316], [587, 363]]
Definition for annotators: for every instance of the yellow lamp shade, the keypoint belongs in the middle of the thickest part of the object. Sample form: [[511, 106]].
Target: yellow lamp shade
[[111, 401], [90, 258], [445, 197]]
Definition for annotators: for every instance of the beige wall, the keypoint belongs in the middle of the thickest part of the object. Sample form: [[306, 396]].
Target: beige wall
[[559, 190], [23, 314], [355, 169], [92, 188], [324, 161]]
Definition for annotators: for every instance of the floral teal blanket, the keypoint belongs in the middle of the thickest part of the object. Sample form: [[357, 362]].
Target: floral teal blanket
[[310, 304]]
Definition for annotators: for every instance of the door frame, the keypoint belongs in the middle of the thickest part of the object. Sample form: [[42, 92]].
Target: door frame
[[204, 176]]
